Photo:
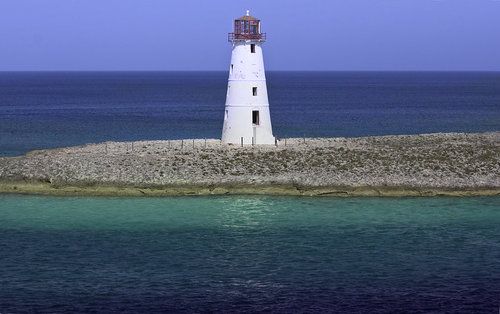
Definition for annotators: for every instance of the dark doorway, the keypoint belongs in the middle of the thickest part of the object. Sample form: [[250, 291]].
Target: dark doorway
[[255, 117]]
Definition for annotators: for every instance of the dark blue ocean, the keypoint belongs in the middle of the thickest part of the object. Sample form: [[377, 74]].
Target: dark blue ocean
[[242, 254], [53, 109]]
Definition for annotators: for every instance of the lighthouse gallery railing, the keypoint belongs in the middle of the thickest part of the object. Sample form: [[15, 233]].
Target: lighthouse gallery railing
[[237, 36]]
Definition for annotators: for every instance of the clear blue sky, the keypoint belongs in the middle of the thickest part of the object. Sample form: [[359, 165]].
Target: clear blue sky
[[302, 35]]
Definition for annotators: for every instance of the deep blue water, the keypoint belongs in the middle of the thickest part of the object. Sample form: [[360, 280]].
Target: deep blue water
[[245, 254], [53, 109], [249, 254]]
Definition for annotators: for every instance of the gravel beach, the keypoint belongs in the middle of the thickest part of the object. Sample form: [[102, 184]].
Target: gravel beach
[[454, 164]]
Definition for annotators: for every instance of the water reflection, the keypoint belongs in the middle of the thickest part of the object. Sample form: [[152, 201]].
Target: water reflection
[[246, 212]]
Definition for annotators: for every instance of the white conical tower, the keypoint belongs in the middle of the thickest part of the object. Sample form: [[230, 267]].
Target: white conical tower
[[247, 106]]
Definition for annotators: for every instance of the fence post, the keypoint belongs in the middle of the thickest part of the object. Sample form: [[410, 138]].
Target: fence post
[[205, 143], [193, 143], [304, 138], [106, 147], [182, 144], [242, 141], [132, 146], [285, 141]]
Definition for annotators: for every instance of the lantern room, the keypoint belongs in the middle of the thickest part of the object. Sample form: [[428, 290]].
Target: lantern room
[[247, 28]]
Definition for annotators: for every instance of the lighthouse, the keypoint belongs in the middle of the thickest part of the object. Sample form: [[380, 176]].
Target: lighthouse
[[246, 118]]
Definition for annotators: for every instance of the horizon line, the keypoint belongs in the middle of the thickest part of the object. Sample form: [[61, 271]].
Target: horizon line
[[10, 71]]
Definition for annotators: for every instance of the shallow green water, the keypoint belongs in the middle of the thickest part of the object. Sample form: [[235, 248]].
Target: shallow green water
[[249, 254]]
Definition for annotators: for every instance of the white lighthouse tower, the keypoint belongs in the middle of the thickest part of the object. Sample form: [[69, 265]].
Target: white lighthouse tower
[[247, 115]]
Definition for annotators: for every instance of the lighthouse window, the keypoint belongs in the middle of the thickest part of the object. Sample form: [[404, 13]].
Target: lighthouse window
[[231, 70], [255, 117], [252, 48], [254, 91]]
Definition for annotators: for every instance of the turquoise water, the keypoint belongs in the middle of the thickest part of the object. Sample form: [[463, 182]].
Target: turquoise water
[[240, 254]]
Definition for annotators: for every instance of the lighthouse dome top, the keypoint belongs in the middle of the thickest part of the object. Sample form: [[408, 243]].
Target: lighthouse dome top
[[247, 17]]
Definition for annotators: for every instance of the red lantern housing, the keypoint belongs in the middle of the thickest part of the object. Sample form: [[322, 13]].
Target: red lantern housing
[[247, 28]]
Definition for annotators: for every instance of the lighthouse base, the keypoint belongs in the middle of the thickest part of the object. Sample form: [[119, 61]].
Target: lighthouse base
[[252, 125]]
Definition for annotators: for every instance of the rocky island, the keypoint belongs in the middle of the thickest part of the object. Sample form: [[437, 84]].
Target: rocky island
[[455, 164]]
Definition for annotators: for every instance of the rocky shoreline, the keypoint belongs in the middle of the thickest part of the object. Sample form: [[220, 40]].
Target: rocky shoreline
[[451, 164]]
